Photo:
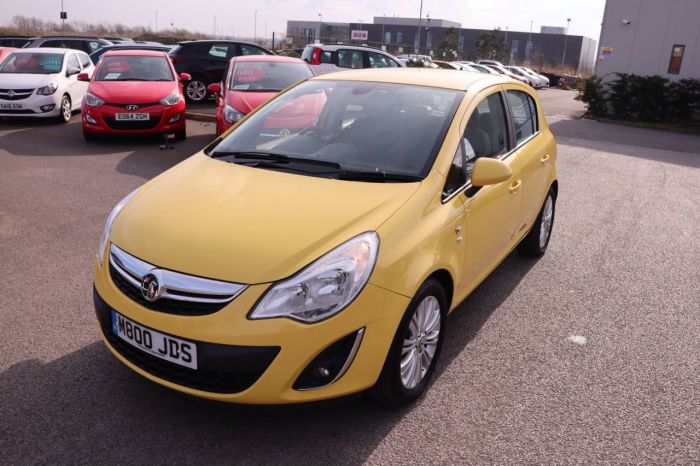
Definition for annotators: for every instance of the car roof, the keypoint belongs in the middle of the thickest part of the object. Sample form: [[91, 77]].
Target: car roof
[[267, 58], [134, 51], [333, 47], [47, 50], [442, 78]]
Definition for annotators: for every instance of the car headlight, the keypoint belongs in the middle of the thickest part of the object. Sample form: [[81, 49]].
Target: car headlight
[[325, 287], [92, 100], [232, 115], [49, 89], [172, 99], [108, 225]]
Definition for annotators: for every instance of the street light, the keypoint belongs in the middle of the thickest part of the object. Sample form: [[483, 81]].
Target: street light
[[383, 31], [320, 27], [507, 48], [255, 28], [566, 36], [420, 16], [156, 21], [214, 26]]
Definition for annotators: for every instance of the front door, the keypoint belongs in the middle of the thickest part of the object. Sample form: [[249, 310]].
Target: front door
[[491, 212]]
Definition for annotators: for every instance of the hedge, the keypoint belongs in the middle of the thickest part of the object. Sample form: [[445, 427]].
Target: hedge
[[642, 98]]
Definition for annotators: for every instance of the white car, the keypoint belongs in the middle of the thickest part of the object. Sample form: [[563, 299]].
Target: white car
[[43, 83], [544, 79]]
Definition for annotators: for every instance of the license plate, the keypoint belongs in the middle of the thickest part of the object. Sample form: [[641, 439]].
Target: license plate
[[4, 106], [155, 343], [133, 116]]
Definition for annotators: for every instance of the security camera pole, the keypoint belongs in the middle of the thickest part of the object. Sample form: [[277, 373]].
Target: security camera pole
[[420, 16], [563, 58]]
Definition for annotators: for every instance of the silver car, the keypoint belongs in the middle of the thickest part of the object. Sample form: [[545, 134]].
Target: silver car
[[329, 58]]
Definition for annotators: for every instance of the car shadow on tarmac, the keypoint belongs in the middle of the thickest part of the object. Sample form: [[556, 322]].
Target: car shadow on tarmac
[[647, 143], [87, 407]]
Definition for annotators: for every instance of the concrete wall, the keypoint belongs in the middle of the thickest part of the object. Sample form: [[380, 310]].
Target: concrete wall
[[644, 45]]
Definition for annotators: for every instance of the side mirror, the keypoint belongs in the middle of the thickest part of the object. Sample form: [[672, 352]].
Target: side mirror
[[72, 70], [185, 77], [490, 171], [84, 77], [214, 88]]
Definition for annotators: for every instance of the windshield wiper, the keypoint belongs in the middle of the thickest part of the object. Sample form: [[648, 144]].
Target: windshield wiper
[[378, 176], [271, 157]]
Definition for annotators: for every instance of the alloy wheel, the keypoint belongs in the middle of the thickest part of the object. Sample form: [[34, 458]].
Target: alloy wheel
[[546, 223], [421, 342], [196, 90]]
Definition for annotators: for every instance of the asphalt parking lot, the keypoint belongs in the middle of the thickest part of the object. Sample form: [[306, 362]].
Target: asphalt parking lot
[[589, 355]]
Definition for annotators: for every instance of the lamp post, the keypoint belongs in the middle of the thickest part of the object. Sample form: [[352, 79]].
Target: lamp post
[[320, 28], [214, 26], [507, 48], [420, 16], [255, 28], [156, 21], [566, 36], [383, 31]]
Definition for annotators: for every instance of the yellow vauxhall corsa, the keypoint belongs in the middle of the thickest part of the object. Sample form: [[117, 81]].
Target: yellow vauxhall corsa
[[316, 248]]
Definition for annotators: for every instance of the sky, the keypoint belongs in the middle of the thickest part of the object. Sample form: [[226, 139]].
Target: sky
[[237, 17]]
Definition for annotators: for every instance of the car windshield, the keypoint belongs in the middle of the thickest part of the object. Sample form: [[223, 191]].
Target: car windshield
[[380, 129], [32, 63], [134, 68], [267, 76]]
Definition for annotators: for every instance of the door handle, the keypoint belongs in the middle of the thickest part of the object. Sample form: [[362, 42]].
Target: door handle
[[544, 159], [515, 187]]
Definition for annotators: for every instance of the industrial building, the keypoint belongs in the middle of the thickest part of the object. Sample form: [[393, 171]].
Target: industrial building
[[403, 35], [650, 37]]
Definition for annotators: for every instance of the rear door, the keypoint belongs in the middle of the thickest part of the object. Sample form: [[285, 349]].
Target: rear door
[[533, 148], [216, 59]]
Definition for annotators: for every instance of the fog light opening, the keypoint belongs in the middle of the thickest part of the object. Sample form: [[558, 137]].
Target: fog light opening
[[90, 119], [174, 119], [331, 363], [48, 108]]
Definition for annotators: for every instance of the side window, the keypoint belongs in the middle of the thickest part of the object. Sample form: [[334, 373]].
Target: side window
[[219, 51], [52, 43], [457, 175], [73, 61], [377, 60], [523, 119], [486, 134], [251, 50], [350, 59], [674, 66], [84, 60], [94, 46], [326, 57]]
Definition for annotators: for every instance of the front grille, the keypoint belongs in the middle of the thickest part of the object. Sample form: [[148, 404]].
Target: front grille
[[181, 294], [220, 368], [170, 306], [133, 124], [140, 106], [17, 112], [15, 94]]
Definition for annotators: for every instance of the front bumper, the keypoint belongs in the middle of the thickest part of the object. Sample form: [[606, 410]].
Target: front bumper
[[268, 355], [104, 120], [31, 106]]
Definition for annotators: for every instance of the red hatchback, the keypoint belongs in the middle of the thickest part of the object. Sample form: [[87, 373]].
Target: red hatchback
[[134, 92], [251, 81]]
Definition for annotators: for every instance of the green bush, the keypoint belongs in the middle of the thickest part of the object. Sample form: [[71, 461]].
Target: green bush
[[592, 93], [643, 98]]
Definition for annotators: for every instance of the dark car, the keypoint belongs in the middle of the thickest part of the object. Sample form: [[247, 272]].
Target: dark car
[[95, 56], [207, 61], [86, 44], [14, 41]]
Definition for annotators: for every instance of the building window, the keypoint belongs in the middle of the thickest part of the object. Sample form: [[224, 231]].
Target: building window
[[429, 40], [399, 38], [674, 67], [387, 37]]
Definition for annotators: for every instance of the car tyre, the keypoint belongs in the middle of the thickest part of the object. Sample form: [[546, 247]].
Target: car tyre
[[196, 90], [409, 365], [536, 242], [181, 135], [89, 137], [66, 109]]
